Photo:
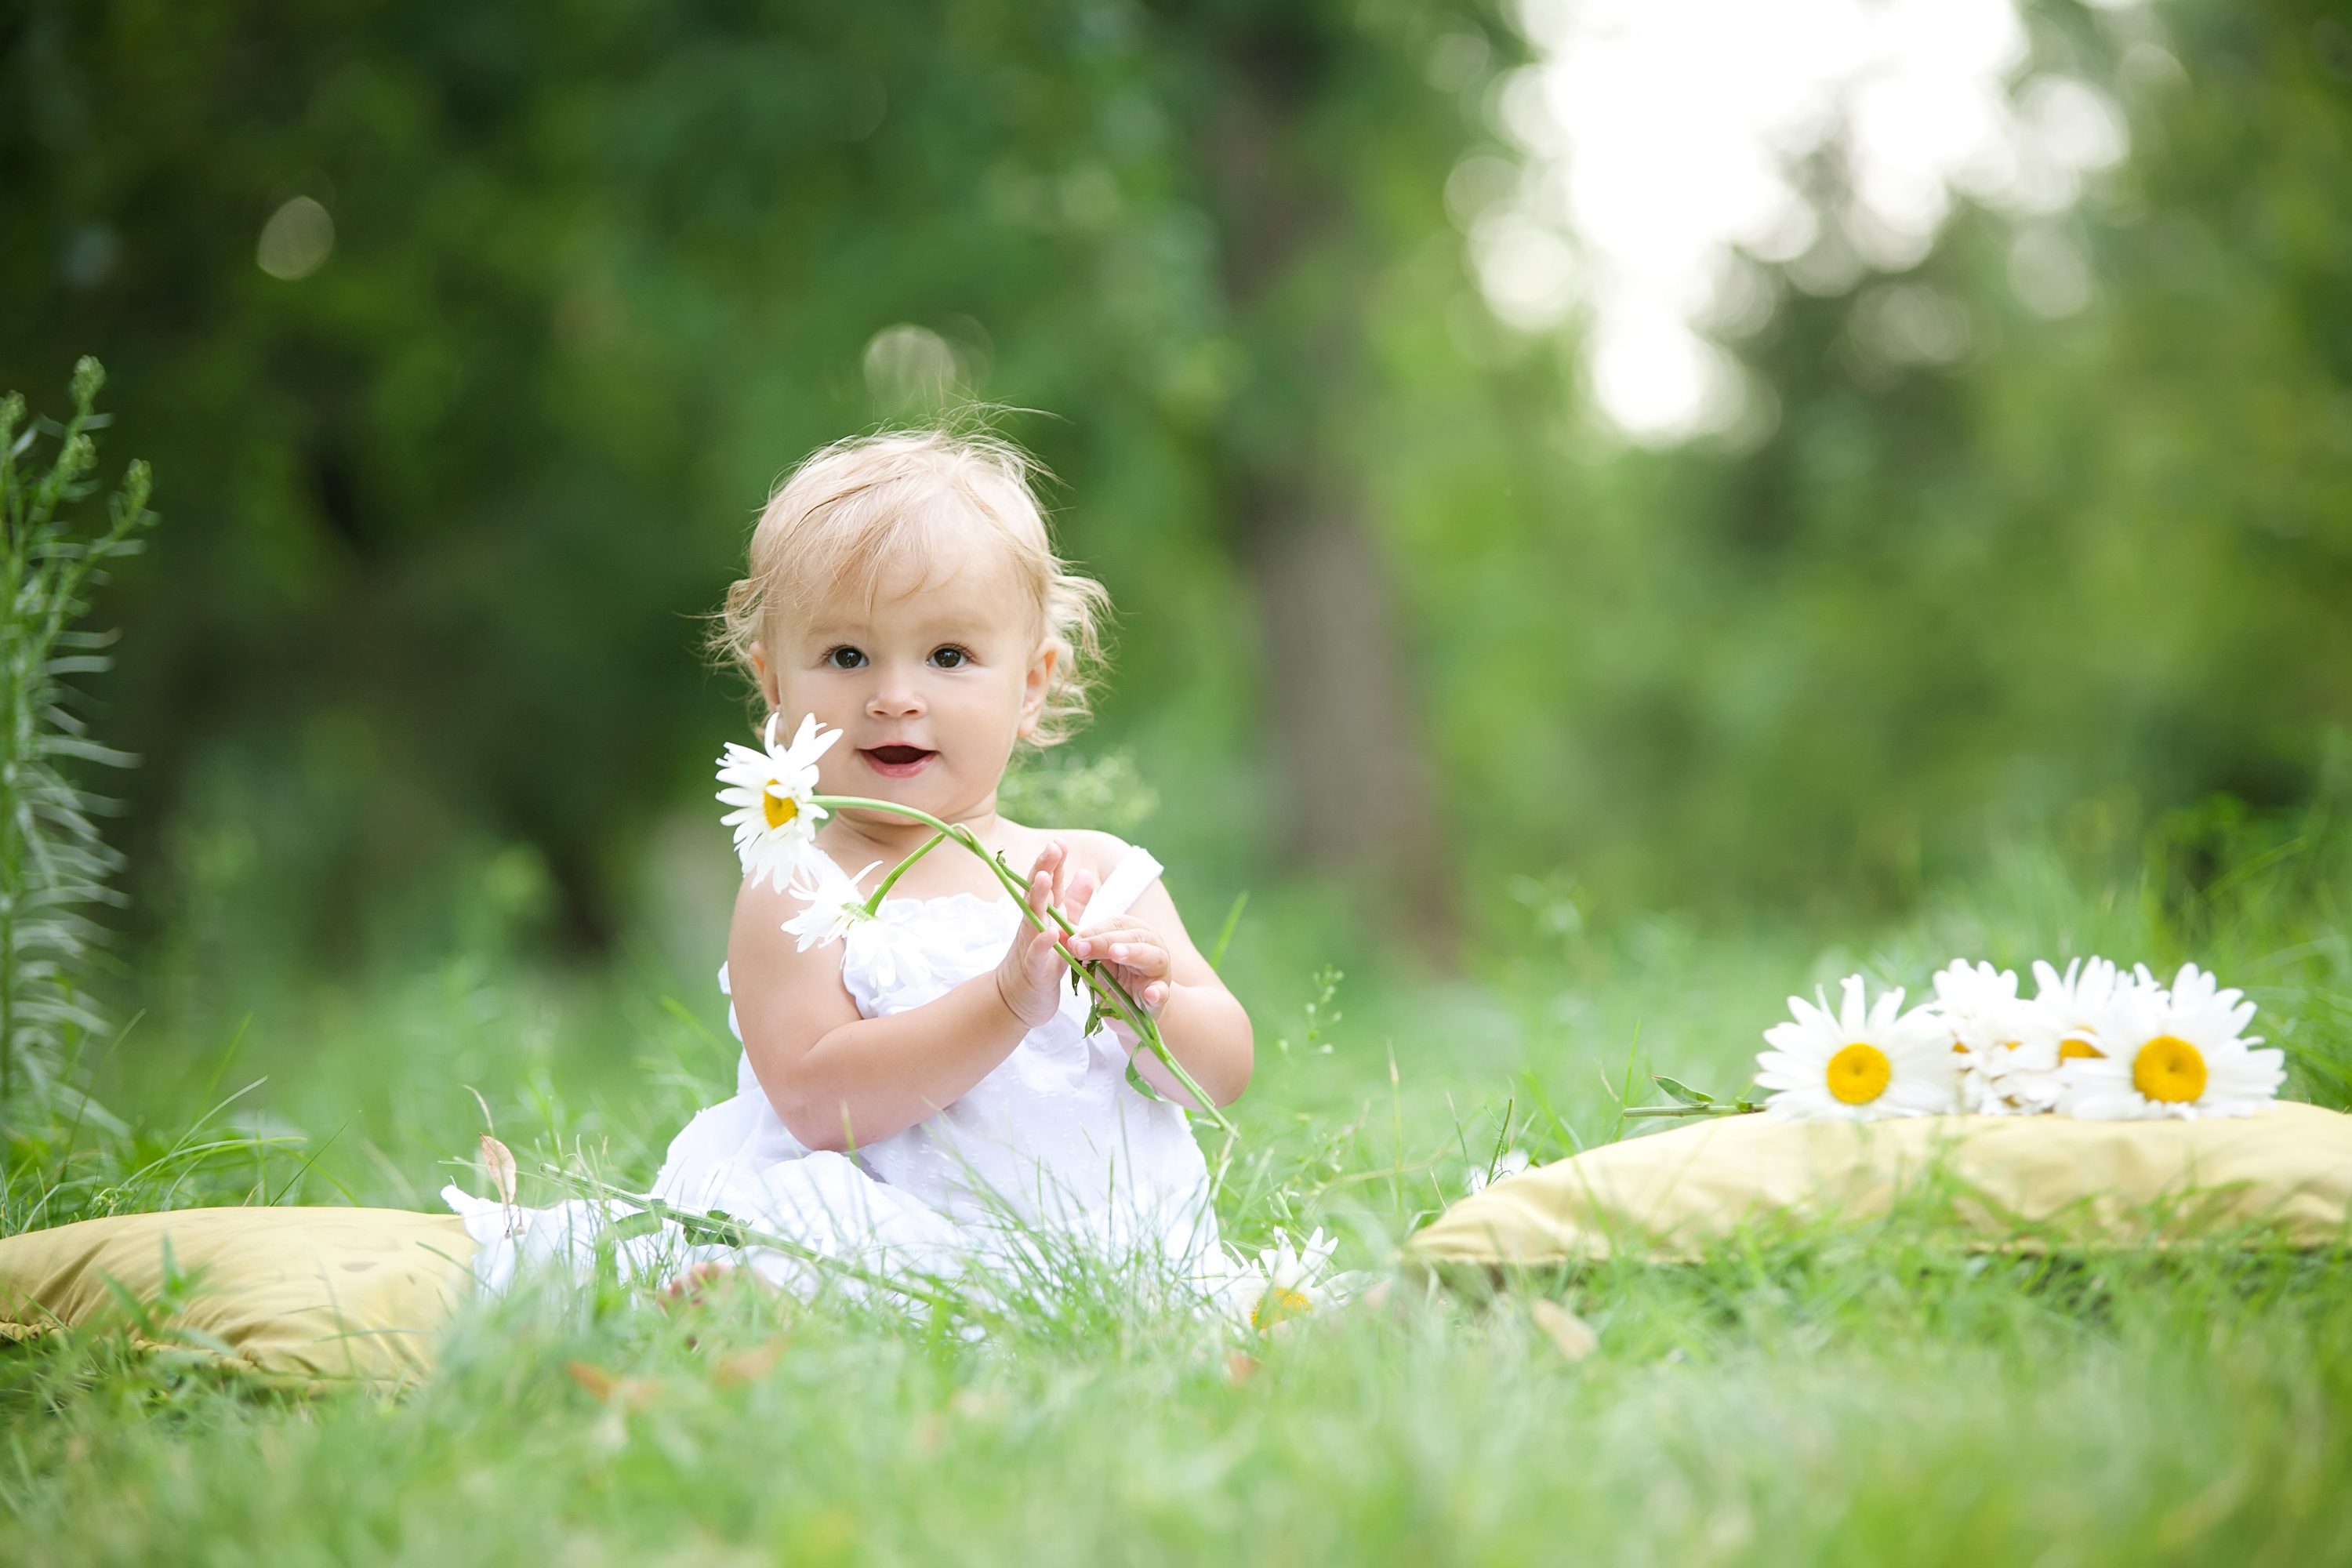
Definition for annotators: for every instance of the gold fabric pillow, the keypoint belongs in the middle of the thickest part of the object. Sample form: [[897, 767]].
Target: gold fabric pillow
[[2281, 1177], [297, 1295]]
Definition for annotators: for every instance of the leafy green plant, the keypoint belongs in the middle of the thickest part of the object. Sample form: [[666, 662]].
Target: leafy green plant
[[54, 862], [1106, 792]]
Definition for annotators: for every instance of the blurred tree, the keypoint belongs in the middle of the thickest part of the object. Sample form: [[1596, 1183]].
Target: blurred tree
[[1304, 117], [478, 335], [471, 337], [2092, 565]]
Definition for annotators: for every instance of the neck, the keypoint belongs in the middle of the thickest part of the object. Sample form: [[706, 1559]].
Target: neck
[[870, 835]]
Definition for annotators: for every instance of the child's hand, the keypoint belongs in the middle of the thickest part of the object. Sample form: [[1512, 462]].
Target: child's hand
[[1133, 953], [1030, 976]]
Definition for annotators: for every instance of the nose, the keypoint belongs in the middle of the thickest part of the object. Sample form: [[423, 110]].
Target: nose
[[896, 695]]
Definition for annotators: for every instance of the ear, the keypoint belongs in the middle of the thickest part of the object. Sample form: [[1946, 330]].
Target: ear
[[1036, 684], [767, 673]]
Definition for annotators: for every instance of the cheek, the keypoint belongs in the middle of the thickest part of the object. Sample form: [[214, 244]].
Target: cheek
[[835, 697], [982, 714]]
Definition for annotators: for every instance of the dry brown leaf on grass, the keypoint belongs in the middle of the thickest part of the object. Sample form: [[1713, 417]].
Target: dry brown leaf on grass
[[751, 1366], [499, 1161], [632, 1392], [591, 1377], [1573, 1337]]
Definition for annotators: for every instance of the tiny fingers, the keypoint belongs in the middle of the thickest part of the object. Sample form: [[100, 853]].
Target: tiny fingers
[[1054, 861], [1133, 947], [1083, 887], [1045, 876], [1142, 957]]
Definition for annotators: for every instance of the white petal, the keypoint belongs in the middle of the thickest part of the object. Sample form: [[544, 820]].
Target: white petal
[[1853, 1015]]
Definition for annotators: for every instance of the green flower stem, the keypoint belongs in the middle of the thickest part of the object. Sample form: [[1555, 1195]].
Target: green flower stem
[[1107, 987], [724, 1230], [873, 904]]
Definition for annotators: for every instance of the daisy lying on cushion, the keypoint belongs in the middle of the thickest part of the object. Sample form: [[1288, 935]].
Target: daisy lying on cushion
[[1859, 1063], [2182, 1052]]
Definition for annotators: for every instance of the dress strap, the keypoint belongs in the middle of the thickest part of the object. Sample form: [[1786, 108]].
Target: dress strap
[[1136, 871]]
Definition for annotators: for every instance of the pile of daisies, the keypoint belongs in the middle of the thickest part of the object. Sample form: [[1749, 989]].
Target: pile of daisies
[[2095, 1042]]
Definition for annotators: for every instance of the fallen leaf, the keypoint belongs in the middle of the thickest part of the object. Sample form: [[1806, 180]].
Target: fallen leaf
[[591, 1377], [749, 1367], [499, 1161], [633, 1393], [1572, 1335]]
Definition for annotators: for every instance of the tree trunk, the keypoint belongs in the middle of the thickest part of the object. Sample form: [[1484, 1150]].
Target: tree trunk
[[1359, 795]]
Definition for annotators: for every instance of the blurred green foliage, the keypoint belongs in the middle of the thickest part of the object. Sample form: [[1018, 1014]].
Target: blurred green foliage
[[467, 341], [2094, 570], [55, 863]]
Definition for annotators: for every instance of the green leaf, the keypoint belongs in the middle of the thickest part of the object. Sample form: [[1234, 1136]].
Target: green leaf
[[639, 1224], [1681, 1090], [1136, 1082]]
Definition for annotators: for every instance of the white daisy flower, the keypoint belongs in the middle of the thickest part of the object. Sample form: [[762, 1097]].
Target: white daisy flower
[[2061, 1025], [1859, 1063], [775, 817], [2181, 1053], [836, 912], [1290, 1284], [1979, 1005], [2075, 1003]]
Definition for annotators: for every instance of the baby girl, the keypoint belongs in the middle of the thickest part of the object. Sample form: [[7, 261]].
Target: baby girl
[[932, 1099]]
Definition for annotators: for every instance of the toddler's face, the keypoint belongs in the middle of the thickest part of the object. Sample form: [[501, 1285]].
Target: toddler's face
[[931, 682]]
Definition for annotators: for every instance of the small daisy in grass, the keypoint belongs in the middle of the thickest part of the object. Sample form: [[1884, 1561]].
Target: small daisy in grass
[[836, 912], [775, 817], [2182, 1052], [1859, 1063], [1290, 1283], [2076, 1003], [1988, 1027]]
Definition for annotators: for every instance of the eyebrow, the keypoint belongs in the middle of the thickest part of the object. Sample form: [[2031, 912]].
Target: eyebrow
[[943, 631]]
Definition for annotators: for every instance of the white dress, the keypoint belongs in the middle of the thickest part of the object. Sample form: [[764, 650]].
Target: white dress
[[1052, 1154]]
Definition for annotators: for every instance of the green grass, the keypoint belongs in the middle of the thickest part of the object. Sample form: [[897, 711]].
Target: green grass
[[1861, 1395]]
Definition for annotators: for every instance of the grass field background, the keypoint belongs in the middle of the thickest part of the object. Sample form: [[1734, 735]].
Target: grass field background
[[2001, 613], [1866, 1394]]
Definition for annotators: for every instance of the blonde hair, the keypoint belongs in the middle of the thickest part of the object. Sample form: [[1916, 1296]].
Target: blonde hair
[[858, 507]]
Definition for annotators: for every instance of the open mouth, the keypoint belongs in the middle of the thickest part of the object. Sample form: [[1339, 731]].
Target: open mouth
[[896, 761]]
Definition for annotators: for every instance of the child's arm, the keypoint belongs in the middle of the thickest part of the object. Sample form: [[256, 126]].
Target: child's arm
[[838, 1080], [1150, 952]]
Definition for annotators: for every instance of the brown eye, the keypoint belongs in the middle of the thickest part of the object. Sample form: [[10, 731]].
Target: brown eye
[[845, 658], [949, 657]]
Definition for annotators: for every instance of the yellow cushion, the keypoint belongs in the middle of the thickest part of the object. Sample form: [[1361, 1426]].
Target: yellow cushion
[[2283, 1178], [299, 1295]]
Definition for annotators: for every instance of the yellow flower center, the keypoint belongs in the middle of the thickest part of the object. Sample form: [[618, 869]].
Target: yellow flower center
[[779, 808], [2075, 1050], [2170, 1070], [1277, 1305], [1860, 1073]]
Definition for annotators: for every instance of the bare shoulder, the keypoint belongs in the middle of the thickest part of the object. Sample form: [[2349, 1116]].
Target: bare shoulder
[[1089, 850], [1093, 851], [765, 961]]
